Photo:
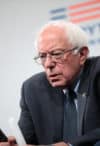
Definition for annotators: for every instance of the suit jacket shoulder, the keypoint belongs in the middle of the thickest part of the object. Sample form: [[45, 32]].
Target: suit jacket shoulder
[[91, 73], [36, 79]]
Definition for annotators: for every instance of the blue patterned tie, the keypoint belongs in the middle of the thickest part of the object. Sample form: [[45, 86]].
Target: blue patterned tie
[[70, 116]]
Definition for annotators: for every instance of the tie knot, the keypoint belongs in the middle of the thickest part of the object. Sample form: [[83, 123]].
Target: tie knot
[[71, 95]]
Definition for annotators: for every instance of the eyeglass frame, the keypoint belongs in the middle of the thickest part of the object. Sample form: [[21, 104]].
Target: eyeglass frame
[[53, 56]]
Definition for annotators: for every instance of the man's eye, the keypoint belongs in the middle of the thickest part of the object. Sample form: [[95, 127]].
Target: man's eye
[[56, 53], [42, 55]]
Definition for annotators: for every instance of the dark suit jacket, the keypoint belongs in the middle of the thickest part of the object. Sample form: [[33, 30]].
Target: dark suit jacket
[[42, 108]]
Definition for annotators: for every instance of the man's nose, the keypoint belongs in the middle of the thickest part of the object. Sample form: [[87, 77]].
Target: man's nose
[[49, 63]]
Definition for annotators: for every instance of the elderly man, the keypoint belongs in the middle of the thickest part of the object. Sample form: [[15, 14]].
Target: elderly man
[[62, 104], [46, 115]]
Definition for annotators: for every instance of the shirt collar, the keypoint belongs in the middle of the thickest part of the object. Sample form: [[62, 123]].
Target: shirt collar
[[75, 84]]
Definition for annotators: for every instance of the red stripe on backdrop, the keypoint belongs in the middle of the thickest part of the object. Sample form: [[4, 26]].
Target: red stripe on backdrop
[[84, 4], [86, 18], [85, 11]]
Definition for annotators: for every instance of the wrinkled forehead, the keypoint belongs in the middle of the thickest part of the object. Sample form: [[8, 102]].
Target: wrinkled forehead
[[51, 31], [52, 35]]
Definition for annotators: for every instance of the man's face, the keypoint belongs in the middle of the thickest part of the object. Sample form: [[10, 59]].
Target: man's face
[[62, 70]]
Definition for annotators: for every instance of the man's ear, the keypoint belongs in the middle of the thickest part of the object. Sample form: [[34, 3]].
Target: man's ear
[[83, 54]]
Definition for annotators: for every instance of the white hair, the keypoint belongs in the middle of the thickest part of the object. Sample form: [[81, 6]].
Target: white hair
[[74, 34]]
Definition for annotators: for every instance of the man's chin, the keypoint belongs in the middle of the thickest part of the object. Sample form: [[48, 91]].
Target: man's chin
[[57, 84]]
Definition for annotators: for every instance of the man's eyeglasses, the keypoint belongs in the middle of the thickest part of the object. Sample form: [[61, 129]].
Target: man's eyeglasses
[[55, 55]]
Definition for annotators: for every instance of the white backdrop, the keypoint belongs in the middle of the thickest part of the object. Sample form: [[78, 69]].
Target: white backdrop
[[19, 22]]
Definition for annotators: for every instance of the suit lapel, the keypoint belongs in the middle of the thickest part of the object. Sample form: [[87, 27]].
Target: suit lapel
[[81, 108], [82, 97]]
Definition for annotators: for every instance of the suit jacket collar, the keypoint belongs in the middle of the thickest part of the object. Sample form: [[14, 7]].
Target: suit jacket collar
[[83, 95]]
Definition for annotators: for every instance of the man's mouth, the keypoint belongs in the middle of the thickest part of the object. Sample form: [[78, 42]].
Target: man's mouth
[[54, 77]]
